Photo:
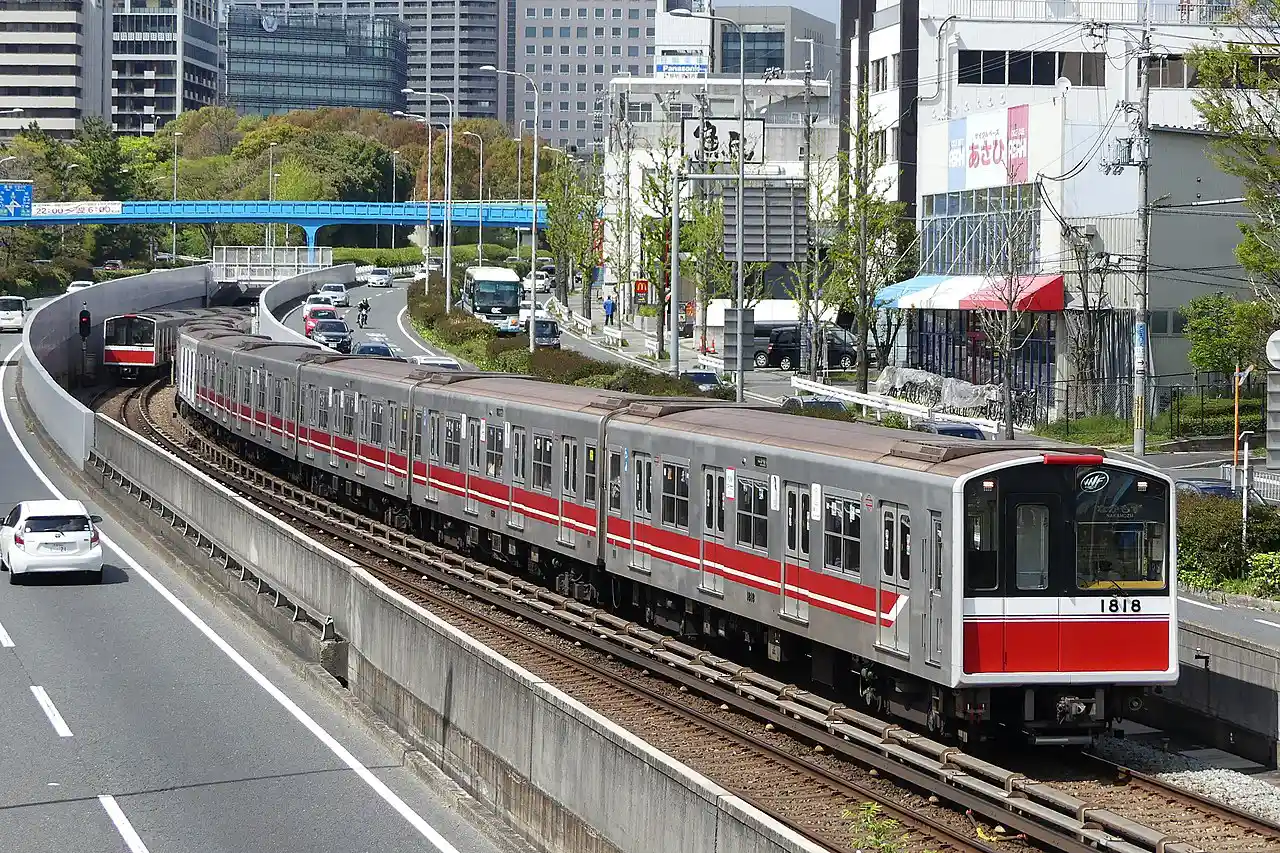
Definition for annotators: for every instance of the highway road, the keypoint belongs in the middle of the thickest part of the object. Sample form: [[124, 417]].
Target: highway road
[[388, 319], [139, 716]]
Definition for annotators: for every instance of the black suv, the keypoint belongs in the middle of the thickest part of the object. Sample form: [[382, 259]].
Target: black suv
[[334, 334], [784, 348]]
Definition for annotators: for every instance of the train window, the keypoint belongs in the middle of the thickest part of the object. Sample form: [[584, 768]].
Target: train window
[[753, 514], [904, 546], [713, 501], [589, 484], [981, 551], [433, 435], [493, 451], [806, 503], [543, 449], [642, 465], [453, 442], [1121, 536], [419, 426], [375, 425], [348, 404], [261, 378], [519, 452], [143, 332], [277, 397], [937, 550], [569, 466], [842, 534], [322, 410], [1031, 546], [403, 443], [473, 443], [675, 495], [615, 482]]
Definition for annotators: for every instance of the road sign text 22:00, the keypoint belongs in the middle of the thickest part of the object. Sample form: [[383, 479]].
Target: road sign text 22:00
[[1121, 605]]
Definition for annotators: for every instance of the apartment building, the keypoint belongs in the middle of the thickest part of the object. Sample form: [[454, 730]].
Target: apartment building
[[164, 60]]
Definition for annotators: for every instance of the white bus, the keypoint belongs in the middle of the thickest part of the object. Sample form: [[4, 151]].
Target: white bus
[[493, 294]]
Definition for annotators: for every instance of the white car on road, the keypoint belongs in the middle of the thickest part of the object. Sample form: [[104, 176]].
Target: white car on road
[[13, 313], [380, 277], [337, 291], [50, 536], [79, 284]]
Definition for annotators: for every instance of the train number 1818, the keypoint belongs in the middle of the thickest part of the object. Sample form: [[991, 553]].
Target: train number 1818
[[1121, 605]]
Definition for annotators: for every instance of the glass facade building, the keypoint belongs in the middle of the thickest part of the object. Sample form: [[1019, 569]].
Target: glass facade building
[[282, 62], [766, 48]]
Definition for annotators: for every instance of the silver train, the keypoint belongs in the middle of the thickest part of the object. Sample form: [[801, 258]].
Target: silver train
[[970, 586]]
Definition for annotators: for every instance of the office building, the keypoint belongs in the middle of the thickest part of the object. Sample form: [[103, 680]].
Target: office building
[[306, 60], [56, 64], [979, 131], [572, 48], [769, 36], [448, 41], [164, 61]]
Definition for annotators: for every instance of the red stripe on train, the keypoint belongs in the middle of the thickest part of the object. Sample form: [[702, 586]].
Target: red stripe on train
[[145, 358], [1096, 645]]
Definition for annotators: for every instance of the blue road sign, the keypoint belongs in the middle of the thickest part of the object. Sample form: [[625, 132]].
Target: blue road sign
[[15, 199]]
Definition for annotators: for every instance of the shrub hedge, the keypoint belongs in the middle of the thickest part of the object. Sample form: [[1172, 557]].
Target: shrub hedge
[[1210, 553]]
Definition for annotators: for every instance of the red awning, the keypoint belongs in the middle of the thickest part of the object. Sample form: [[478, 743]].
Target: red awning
[[1034, 293]]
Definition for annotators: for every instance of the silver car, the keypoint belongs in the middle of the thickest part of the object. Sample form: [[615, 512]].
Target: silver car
[[380, 277], [337, 293]]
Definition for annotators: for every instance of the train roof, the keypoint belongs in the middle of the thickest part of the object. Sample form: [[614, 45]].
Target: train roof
[[532, 391], [943, 455]]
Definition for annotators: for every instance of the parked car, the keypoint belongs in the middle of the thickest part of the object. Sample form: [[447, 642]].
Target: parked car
[[337, 293], [334, 334], [312, 314], [13, 313], [706, 380], [79, 284], [50, 536], [1216, 488], [784, 348], [953, 429], [380, 277], [377, 349]]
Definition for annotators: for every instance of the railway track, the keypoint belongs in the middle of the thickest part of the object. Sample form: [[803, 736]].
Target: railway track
[[708, 711]]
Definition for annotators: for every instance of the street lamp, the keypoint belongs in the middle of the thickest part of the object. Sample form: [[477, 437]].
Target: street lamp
[[6, 160], [480, 228], [533, 216], [739, 373], [427, 125], [269, 234], [448, 194], [173, 247], [12, 111]]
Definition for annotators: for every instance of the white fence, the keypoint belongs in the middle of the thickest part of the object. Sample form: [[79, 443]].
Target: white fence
[[880, 404]]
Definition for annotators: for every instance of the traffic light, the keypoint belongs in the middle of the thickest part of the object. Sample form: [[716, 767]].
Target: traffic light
[[85, 323]]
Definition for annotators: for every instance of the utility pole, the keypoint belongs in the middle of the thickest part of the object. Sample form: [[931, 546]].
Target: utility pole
[[862, 140], [626, 288], [811, 310], [674, 291], [700, 195], [1142, 153]]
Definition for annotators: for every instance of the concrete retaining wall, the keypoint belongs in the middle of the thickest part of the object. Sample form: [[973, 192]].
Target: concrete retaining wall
[[51, 345], [288, 293], [565, 776], [1232, 681]]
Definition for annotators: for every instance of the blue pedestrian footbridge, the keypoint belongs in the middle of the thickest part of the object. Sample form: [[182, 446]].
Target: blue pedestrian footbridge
[[310, 216]]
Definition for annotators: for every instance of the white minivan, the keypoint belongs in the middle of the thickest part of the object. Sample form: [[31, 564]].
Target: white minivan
[[13, 313], [50, 536]]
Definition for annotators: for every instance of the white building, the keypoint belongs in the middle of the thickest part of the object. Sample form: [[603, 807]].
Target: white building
[[985, 104], [57, 64], [164, 62]]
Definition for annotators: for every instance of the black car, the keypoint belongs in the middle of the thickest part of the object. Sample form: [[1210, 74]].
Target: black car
[[706, 380], [1216, 488], [784, 348], [795, 404], [955, 430], [378, 349], [546, 334], [333, 333]]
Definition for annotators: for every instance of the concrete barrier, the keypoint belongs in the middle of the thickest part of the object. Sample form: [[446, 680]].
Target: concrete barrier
[[1233, 682], [565, 776], [286, 294], [52, 353]]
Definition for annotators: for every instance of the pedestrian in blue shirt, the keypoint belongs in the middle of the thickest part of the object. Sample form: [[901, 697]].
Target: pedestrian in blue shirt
[[608, 310]]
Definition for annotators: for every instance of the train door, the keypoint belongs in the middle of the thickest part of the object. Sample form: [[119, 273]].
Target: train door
[[433, 454], [935, 615], [362, 433], [471, 503], [568, 485], [712, 528], [642, 508], [255, 383], [390, 441], [519, 464], [309, 416], [797, 503], [895, 577], [1028, 542]]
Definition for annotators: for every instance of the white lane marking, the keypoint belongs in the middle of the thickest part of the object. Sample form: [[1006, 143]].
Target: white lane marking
[[126, 830], [51, 711], [1268, 623], [6, 642], [413, 338], [330, 742], [1195, 603]]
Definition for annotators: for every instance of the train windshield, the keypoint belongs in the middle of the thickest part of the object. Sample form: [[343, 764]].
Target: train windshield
[[129, 332], [1120, 531], [1066, 530]]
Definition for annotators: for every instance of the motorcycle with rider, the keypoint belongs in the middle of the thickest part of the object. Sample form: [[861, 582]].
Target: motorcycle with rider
[[362, 313]]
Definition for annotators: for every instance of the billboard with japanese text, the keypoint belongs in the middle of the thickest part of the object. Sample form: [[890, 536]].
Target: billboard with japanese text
[[989, 149]]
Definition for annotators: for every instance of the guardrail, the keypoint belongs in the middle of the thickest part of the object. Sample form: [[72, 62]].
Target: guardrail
[[1265, 483], [651, 346], [288, 292], [710, 362], [879, 403], [613, 337]]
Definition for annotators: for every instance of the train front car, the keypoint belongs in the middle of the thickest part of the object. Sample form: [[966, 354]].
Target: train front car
[[129, 345], [1068, 609]]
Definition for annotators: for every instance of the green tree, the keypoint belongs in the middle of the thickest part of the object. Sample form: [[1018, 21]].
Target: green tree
[[1226, 333], [573, 201], [1238, 96]]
